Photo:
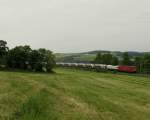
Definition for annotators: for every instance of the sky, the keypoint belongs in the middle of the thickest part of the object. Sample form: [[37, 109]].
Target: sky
[[76, 25]]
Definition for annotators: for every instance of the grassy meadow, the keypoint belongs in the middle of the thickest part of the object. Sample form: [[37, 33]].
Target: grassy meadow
[[73, 95]]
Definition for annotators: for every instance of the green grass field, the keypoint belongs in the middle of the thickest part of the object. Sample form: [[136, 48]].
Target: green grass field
[[73, 95]]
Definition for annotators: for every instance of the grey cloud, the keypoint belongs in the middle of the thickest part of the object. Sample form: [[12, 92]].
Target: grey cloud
[[76, 25]]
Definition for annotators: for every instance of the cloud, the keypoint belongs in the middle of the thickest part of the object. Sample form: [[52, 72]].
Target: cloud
[[76, 25]]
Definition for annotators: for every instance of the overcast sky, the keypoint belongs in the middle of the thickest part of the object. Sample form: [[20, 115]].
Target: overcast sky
[[76, 25]]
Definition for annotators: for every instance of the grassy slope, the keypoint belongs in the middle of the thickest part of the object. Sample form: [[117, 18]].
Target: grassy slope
[[86, 57], [73, 95], [78, 57]]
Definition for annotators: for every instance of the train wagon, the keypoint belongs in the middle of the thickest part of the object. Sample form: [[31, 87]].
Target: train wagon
[[112, 67], [129, 69]]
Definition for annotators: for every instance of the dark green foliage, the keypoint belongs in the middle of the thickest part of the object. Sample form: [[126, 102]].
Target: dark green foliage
[[3, 48], [23, 57], [98, 59], [115, 61], [146, 63], [3, 53], [146, 58], [107, 58], [138, 63], [18, 56], [143, 63], [45, 60], [126, 59]]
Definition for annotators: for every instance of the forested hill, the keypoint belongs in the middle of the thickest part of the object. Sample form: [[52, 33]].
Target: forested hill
[[90, 55]]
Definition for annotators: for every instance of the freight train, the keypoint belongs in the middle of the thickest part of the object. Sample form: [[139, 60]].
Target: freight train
[[100, 67]]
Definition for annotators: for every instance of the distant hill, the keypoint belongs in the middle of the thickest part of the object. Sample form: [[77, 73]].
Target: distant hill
[[90, 55]]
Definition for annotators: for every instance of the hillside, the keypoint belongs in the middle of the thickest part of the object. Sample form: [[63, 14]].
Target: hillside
[[73, 95], [89, 56]]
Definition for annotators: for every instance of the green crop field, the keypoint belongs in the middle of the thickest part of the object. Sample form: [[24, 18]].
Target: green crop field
[[73, 95]]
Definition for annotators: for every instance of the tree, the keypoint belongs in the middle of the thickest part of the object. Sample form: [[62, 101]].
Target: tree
[[146, 63], [139, 63], [18, 57], [115, 60], [98, 58], [43, 61], [107, 59], [3, 52], [3, 48], [35, 58], [126, 59], [23, 57]]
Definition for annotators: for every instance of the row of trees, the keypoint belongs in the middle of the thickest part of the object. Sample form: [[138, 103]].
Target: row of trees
[[23, 57], [142, 63], [108, 59]]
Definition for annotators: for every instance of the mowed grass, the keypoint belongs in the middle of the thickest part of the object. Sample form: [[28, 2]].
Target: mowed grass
[[73, 95]]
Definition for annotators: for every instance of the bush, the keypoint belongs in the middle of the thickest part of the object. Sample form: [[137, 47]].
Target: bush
[[23, 57]]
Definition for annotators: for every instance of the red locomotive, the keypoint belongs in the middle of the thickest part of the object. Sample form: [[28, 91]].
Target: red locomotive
[[129, 69]]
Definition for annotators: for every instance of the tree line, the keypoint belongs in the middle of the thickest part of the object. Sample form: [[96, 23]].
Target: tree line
[[23, 57], [142, 63], [108, 59]]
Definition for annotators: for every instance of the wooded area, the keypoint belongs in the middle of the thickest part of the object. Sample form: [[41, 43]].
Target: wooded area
[[23, 57], [142, 63]]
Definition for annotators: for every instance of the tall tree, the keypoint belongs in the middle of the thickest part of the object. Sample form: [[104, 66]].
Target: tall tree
[[47, 59], [19, 56], [23, 57], [139, 63], [3, 48], [98, 58], [3, 52], [126, 59], [107, 59], [146, 62], [115, 60]]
